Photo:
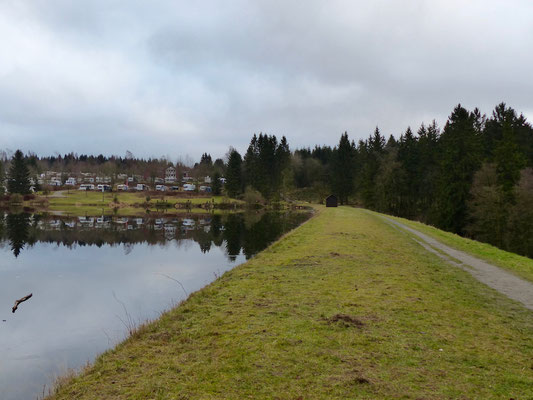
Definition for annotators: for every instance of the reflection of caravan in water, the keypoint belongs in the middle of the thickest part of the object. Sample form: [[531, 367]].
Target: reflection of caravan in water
[[55, 224], [188, 222], [103, 221], [86, 221]]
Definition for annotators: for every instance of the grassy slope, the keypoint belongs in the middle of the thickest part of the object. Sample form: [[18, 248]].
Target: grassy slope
[[521, 266], [267, 329]]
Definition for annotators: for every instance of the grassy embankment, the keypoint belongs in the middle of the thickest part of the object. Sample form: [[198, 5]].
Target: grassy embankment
[[519, 265], [343, 307], [127, 203]]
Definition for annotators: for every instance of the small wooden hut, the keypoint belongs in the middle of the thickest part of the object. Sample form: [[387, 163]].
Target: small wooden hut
[[331, 201]]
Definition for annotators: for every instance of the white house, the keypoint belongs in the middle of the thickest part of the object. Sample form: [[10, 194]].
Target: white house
[[207, 179], [170, 175]]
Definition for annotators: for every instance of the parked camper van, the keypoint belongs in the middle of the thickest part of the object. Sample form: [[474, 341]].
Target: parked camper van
[[86, 186], [104, 188]]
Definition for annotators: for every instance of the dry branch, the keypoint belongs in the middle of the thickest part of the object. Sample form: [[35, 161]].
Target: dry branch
[[21, 300]]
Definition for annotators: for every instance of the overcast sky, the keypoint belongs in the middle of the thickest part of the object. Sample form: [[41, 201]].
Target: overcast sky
[[176, 78]]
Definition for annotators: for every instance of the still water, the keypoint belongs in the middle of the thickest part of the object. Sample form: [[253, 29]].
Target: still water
[[93, 278]]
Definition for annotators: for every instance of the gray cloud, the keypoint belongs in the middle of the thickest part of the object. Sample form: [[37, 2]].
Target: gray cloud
[[176, 78]]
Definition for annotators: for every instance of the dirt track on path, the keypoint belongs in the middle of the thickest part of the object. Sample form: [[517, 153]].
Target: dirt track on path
[[504, 282]]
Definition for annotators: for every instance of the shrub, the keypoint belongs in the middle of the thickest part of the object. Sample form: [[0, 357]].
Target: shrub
[[252, 197]]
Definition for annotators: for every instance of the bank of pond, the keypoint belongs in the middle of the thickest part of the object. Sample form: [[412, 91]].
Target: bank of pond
[[94, 278]]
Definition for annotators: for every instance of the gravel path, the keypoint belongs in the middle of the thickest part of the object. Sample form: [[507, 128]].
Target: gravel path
[[504, 282], [59, 193]]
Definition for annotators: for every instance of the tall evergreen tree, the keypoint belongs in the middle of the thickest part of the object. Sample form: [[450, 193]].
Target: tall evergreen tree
[[460, 157], [19, 175], [409, 157], [1, 178], [342, 179], [234, 182], [264, 163], [487, 207], [509, 160], [216, 185], [206, 160], [369, 157], [428, 138]]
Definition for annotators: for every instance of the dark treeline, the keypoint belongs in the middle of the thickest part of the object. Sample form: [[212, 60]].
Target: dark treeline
[[473, 178]]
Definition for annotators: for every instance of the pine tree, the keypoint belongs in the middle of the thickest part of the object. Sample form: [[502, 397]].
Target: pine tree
[[216, 186], [509, 160], [342, 179], [487, 208], [234, 182], [428, 138], [369, 157], [460, 157], [19, 175], [409, 158], [1, 178]]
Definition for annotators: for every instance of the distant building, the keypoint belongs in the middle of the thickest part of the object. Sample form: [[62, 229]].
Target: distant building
[[170, 175], [331, 201]]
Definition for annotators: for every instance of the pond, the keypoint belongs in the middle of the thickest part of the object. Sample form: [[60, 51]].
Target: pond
[[94, 278]]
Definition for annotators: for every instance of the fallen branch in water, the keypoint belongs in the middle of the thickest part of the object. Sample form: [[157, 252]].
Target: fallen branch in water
[[21, 300]]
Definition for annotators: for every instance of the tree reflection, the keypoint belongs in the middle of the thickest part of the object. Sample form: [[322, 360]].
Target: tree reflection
[[17, 231], [236, 233]]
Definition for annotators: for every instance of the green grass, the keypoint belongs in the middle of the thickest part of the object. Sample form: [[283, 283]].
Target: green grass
[[78, 202], [519, 265], [344, 307]]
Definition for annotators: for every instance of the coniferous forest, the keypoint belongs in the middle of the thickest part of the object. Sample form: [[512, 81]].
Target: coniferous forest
[[473, 177]]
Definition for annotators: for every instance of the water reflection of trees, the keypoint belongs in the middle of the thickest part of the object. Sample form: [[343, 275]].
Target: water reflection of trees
[[17, 231], [248, 233]]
